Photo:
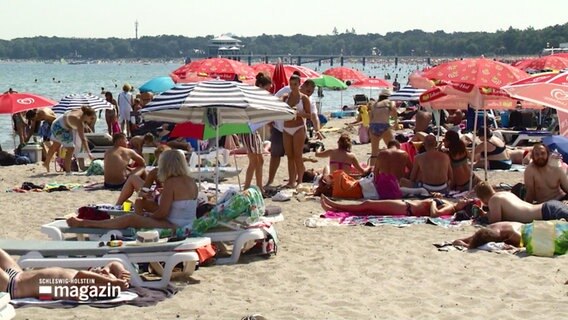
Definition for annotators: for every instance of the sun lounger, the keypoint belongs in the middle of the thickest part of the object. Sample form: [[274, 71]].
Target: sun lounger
[[529, 135], [234, 233], [86, 254]]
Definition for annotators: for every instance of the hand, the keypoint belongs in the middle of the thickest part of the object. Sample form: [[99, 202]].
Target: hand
[[90, 155], [319, 135]]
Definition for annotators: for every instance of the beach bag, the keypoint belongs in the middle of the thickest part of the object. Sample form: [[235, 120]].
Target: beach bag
[[364, 134], [368, 187], [345, 186], [545, 238], [96, 168], [387, 186], [92, 213]]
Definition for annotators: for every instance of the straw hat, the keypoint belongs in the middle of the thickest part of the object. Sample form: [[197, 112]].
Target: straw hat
[[385, 92]]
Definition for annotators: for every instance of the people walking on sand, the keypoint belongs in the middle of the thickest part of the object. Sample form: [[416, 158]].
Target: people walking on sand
[[379, 125], [62, 131]]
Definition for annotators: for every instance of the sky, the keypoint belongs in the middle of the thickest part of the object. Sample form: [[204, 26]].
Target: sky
[[116, 18]]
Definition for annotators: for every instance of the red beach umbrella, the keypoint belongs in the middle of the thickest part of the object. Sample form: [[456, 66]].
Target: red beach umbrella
[[549, 89], [344, 74], [371, 83], [224, 69], [554, 62], [279, 78], [264, 68], [11, 103]]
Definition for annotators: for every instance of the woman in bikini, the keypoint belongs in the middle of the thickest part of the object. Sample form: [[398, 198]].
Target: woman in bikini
[[458, 160], [379, 125], [253, 144], [62, 131], [497, 154], [342, 158], [415, 208], [295, 132]]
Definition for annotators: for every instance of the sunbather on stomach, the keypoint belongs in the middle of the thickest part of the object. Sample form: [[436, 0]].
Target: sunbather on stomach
[[25, 284], [177, 205]]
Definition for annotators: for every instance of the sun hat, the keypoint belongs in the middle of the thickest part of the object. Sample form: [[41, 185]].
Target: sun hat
[[385, 92]]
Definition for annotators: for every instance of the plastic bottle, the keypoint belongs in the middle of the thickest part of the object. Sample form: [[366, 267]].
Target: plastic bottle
[[555, 159]]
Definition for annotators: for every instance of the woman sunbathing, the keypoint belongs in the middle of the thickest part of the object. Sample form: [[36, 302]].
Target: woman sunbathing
[[25, 284], [416, 208], [504, 231], [177, 204]]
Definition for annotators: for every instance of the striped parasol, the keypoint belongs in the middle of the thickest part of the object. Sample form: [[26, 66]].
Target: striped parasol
[[76, 101], [407, 93], [234, 103]]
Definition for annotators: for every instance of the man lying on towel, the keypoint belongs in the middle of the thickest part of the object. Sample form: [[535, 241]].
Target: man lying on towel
[[25, 284], [505, 206], [116, 163], [415, 208]]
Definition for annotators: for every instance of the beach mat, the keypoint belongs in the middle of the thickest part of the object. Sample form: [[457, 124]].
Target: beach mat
[[139, 296], [346, 218], [514, 168]]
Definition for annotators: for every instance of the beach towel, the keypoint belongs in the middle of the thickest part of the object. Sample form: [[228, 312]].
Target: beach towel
[[496, 247], [514, 168], [346, 218]]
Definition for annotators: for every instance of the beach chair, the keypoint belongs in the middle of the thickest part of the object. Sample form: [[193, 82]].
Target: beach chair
[[87, 254], [234, 233], [527, 135], [99, 142]]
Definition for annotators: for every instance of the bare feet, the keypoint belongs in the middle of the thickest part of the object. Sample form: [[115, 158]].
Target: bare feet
[[74, 222]]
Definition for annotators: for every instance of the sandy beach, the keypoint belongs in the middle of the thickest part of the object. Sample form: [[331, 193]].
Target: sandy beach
[[331, 272]]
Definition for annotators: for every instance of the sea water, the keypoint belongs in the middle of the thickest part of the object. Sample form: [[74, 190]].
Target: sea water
[[55, 80]]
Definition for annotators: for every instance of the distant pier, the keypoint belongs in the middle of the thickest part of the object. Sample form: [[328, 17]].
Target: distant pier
[[319, 58]]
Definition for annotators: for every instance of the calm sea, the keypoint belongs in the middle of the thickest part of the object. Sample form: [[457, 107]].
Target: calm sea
[[55, 80]]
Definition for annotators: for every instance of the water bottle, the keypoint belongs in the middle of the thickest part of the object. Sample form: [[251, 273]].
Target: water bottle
[[555, 159]]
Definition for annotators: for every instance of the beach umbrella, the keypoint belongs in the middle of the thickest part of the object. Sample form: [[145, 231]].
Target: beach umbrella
[[330, 82], [554, 62], [216, 68], [407, 93], [305, 73], [549, 89], [11, 103], [264, 68], [344, 74], [236, 102], [477, 80], [205, 131], [279, 78], [216, 103], [76, 101], [371, 83], [157, 85]]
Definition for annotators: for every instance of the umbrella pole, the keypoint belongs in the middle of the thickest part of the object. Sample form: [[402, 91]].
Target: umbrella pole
[[199, 163], [485, 144], [473, 151], [217, 157]]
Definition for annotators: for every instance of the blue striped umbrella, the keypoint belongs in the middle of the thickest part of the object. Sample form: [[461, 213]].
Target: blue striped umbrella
[[407, 93], [76, 101], [218, 102]]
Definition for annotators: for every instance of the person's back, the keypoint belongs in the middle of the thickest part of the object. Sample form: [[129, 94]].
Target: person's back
[[423, 120], [380, 111], [432, 167], [116, 161], [505, 206], [392, 161]]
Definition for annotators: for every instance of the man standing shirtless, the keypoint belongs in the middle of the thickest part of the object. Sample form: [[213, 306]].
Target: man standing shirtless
[[544, 182], [116, 163], [505, 206]]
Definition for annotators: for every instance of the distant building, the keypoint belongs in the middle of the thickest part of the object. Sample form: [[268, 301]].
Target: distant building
[[562, 47], [223, 46]]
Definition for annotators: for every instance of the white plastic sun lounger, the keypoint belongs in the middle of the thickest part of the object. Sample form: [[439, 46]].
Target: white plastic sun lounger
[[236, 234], [86, 254]]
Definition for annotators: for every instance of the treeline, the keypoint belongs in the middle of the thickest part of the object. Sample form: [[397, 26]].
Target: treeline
[[415, 42]]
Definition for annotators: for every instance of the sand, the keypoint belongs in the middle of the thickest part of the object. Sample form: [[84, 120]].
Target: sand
[[332, 272]]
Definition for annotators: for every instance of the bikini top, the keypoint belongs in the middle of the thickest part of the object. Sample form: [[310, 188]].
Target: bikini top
[[498, 150], [340, 164], [458, 162]]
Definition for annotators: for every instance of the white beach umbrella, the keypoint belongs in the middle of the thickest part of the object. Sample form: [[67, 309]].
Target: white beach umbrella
[[76, 101]]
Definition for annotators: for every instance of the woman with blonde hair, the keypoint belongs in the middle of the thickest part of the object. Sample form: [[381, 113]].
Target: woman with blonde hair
[[176, 207], [62, 131]]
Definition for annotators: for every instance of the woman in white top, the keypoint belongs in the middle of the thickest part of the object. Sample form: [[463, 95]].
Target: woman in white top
[[294, 133], [125, 103], [177, 205]]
